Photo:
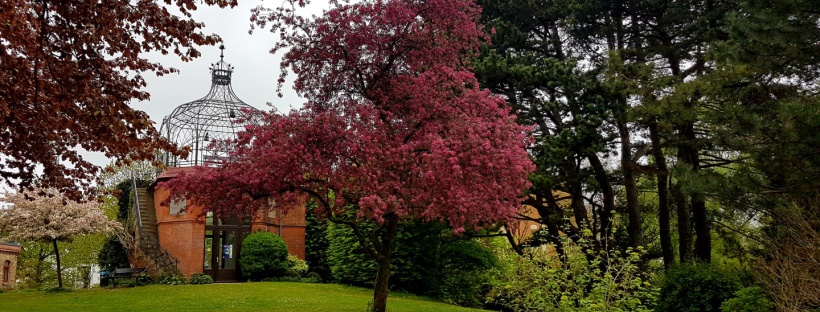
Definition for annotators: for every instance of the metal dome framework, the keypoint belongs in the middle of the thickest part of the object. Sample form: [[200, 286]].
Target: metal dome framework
[[213, 117]]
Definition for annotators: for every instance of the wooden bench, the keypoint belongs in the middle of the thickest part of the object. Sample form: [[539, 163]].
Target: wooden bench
[[131, 273]]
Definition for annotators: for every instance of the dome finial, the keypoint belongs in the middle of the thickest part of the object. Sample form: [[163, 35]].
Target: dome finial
[[221, 51]]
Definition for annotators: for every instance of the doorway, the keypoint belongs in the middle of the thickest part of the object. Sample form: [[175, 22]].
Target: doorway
[[223, 244]]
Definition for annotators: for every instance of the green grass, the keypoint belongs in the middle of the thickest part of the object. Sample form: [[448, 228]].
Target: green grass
[[270, 296]]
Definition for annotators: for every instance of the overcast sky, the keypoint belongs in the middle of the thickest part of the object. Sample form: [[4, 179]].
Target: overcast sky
[[255, 69]]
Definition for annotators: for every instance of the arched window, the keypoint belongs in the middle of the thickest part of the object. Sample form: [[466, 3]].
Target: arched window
[[6, 268]]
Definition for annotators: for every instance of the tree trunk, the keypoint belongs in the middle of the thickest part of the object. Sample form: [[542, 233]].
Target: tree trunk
[[684, 221], [663, 197], [703, 232], [633, 212], [385, 253], [684, 225], [548, 211], [703, 235], [59, 269], [576, 189], [602, 177]]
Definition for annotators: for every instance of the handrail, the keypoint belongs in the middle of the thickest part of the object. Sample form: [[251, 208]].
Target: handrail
[[136, 201]]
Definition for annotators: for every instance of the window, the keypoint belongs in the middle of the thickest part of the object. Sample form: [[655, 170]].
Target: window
[[178, 207], [6, 268]]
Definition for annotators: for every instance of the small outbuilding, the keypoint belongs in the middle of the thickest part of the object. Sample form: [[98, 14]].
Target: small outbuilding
[[8, 264]]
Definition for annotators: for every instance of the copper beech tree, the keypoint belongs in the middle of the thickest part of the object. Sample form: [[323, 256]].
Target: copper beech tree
[[395, 127], [48, 216], [69, 70]]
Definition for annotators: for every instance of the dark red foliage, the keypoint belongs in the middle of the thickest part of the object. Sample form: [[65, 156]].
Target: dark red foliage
[[68, 70]]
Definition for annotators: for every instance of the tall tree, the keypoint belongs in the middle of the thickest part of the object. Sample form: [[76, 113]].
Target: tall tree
[[395, 127], [70, 69], [49, 217], [548, 61]]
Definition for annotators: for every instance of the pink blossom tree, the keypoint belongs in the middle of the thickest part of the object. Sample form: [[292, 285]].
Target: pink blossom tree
[[395, 127], [49, 216]]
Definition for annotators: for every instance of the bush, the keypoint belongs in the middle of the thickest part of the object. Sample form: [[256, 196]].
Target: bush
[[263, 255], [292, 273], [112, 255], [587, 281], [465, 278], [297, 265], [348, 262], [695, 288], [201, 279], [144, 279], [427, 261], [415, 263], [749, 299], [316, 242], [172, 279], [312, 277]]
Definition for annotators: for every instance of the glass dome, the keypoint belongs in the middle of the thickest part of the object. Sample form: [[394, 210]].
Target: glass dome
[[198, 123]]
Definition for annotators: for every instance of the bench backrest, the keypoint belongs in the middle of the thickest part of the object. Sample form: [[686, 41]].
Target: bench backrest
[[128, 270]]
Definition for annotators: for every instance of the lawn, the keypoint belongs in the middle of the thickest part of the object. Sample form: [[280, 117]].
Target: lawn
[[269, 296]]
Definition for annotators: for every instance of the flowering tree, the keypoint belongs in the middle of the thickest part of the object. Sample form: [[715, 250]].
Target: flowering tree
[[395, 127], [70, 69], [48, 216]]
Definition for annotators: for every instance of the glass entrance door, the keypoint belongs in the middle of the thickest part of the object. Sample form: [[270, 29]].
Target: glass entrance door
[[223, 242], [224, 255]]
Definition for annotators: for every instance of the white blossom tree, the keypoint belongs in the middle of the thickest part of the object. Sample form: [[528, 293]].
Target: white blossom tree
[[48, 216]]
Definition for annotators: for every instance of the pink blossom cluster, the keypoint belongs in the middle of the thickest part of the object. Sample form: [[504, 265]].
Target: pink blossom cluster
[[43, 215], [394, 122]]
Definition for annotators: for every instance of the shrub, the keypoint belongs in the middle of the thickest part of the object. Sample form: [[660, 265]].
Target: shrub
[[790, 262], [297, 265], [428, 261], [201, 279], [172, 279], [465, 278], [112, 255], [587, 281], [414, 265], [144, 279], [312, 277], [316, 242], [347, 259], [695, 288], [263, 255], [292, 273], [749, 299]]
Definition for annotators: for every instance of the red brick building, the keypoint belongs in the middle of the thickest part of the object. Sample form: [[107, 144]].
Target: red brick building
[[179, 238]]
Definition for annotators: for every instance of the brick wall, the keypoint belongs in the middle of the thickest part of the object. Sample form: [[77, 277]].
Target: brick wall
[[8, 253], [183, 235]]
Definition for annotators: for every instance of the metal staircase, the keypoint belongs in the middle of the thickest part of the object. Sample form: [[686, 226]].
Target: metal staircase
[[149, 252]]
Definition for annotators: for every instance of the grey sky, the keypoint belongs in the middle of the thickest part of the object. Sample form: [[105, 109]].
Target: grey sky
[[255, 73]]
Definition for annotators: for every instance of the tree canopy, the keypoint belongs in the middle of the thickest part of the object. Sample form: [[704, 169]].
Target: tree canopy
[[688, 126], [48, 216], [70, 69], [395, 127]]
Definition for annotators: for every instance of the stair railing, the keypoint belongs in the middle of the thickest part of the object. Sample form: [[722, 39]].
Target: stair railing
[[136, 202]]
